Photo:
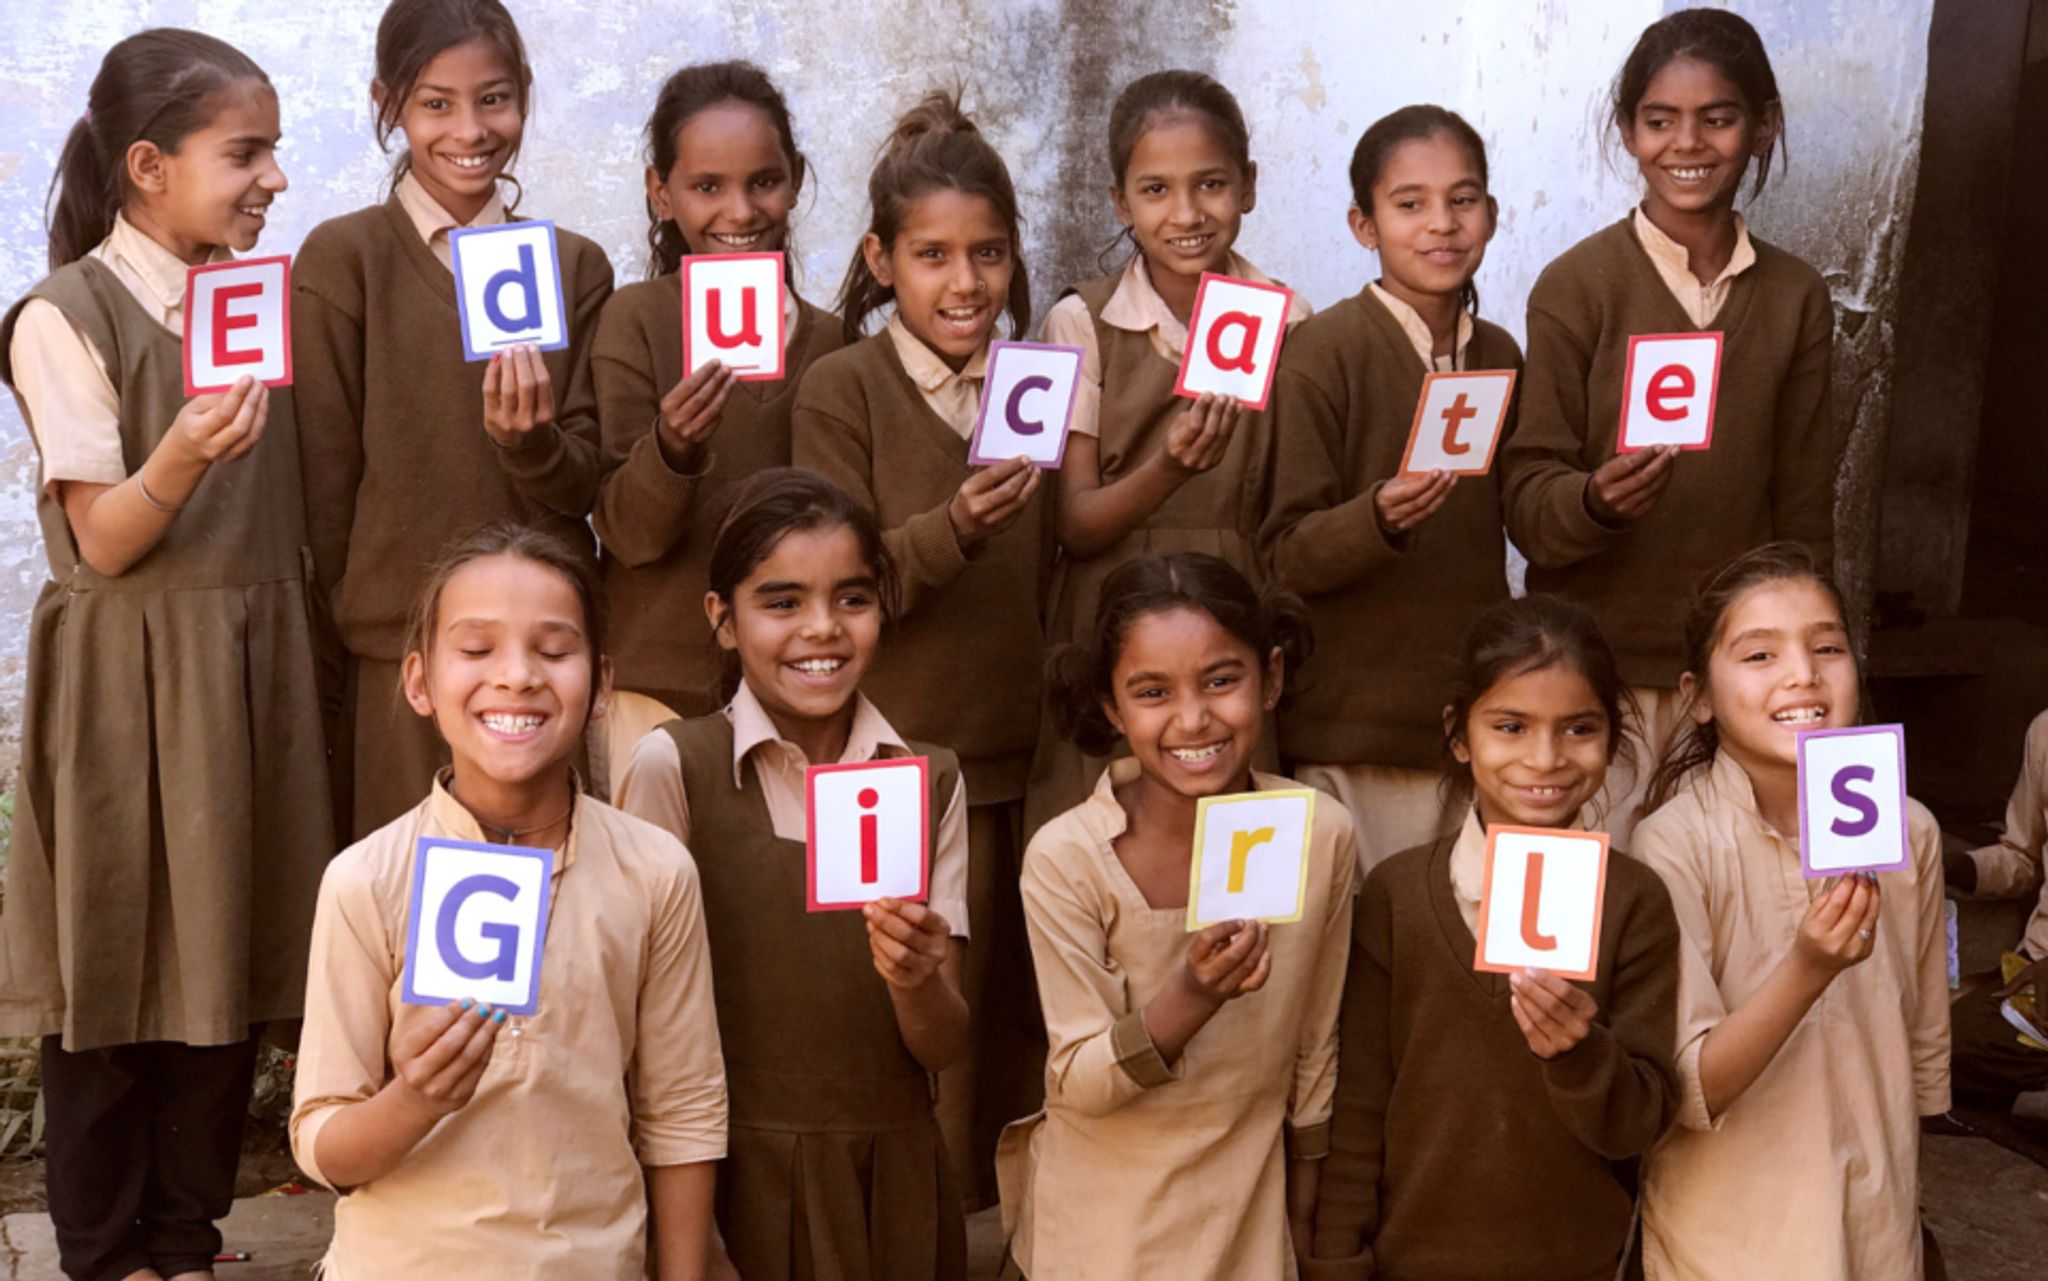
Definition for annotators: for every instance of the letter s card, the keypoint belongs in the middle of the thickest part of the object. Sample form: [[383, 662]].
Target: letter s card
[[478, 924], [1852, 801], [1540, 901]]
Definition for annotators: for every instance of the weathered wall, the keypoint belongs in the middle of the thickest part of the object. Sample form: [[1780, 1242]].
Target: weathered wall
[[1041, 75]]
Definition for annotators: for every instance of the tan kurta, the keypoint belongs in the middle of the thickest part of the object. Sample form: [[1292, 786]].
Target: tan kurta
[[1144, 1171], [539, 1176], [2012, 868], [1814, 1171]]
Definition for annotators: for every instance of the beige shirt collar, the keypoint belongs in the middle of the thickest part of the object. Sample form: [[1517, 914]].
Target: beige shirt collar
[[752, 728], [1468, 864], [1702, 301], [152, 272], [926, 367], [1417, 329], [454, 818], [1136, 305], [433, 223]]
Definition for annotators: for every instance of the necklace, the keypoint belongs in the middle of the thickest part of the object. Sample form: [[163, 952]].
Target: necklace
[[507, 835]]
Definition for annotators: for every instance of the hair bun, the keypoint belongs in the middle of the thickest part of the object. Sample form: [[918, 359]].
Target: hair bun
[[936, 114]]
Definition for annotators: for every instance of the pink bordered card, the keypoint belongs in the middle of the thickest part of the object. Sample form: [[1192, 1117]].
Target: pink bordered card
[[238, 322], [1540, 901], [868, 833], [732, 313], [1668, 391], [1234, 335]]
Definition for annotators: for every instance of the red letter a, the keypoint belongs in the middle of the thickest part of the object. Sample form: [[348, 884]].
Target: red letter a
[[1242, 361]]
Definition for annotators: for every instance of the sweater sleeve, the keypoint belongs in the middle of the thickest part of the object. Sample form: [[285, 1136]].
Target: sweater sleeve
[[1807, 446], [1316, 537], [643, 504], [327, 396], [1543, 464], [1347, 1194], [558, 465], [1315, 1070]]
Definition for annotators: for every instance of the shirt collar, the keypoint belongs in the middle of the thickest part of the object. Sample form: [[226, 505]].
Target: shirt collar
[[1468, 855], [1136, 305], [871, 735], [1663, 249], [925, 367], [454, 818], [431, 220], [1417, 328], [160, 271]]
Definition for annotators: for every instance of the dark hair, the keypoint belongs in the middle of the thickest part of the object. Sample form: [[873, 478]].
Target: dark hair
[[1695, 745], [1413, 124], [1079, 677], [765, 508], [1151, 100], [683, 95], [1724, 41], [1515, 637], [934, 147], [158, 86], [412, 33]]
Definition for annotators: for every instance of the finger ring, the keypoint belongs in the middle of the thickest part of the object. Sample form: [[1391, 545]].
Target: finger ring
[[1864, 935]]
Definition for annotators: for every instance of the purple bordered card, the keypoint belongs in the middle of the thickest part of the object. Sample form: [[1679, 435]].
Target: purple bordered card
[[1852, 801]]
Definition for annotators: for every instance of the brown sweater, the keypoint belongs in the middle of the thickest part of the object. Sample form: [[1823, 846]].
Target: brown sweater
[[1769, 475], [656, 523], [1390, 614], [1455, 1153], [962, 665], [396, 460]]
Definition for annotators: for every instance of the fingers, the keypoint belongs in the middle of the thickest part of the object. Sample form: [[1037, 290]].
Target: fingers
[[1631, 483], [494, 385], [419, 1028], [692, 407], [478, 1032]]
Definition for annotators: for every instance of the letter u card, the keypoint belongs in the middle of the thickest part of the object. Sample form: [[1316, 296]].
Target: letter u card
[[1668, 391], [1251, 857], [868, 827], [1540, 901], [1852, 801], [1234, 338], [508, 288], [732, 313], [1027, 403], [478, 924], [238, 321], [1458, 421]]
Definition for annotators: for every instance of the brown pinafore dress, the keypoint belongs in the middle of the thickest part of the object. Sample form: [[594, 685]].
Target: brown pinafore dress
[[171, 818], [835, 1170]]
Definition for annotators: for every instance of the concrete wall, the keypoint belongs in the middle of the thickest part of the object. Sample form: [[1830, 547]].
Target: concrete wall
[[1041, 75]]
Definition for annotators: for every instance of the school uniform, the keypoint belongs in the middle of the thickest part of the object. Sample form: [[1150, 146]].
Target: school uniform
[[1455, 1153], [171, 817], [888, 421], [1818, 1161], [1390, 612], [1135, 1169], [1769, 475], [540, 1175], [397, 464], [836, 1170]]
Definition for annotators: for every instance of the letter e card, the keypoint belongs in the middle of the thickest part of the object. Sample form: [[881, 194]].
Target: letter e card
[[1667, 395], [238, 321]]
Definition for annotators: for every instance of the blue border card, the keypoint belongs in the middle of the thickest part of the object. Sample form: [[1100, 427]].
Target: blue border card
[[470, 351], [423, 852]]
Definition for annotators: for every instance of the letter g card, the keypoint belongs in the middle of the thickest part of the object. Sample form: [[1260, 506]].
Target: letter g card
[[1852, 801], [479, 919]]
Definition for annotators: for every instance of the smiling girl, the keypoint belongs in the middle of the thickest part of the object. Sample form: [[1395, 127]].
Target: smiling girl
[[406, 444], [1696, 106]]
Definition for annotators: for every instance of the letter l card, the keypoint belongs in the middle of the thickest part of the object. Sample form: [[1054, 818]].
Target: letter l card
[[477, 924], [1541, 896], [1251, 857]]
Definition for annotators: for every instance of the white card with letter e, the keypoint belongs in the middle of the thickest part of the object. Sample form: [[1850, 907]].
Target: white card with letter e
[[732, 313], [1852, 801], [1667, 395], [1234, 340], [1251, 857], [868, 828], [478, 925], [508, 288], [1027, 403], [238, 322], [1540, 901], [1457, 422]]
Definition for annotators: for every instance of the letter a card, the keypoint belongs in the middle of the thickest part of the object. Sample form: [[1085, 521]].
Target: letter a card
[[508, 288], [478, 924], [1234, 339], [1540, 901], [732, 313], [1852, 801], [1027, 403], [1251, 857], [1667, 395], [869, 825], [1457, 422], [238, 321]]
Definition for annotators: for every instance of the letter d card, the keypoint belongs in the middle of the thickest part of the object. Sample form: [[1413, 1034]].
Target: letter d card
[[1852, 801], [508, 288], [1251, 857], [1027, 403], [1540, 901], [1234, 338], [479, 920], [869, 827], [238, 321]]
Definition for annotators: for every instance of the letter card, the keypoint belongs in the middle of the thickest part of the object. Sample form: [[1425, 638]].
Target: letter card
[[1458, 421], [869, 827], [238, 320], [1852, 801], [508, 288], [1234, 339], [1668, 391], [1027, 403], [1540, 902], [1251, 857], [479, 922], [732, 313]]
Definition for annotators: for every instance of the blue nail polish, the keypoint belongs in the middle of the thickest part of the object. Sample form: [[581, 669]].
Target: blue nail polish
[[499, 1017], [467, 1004]]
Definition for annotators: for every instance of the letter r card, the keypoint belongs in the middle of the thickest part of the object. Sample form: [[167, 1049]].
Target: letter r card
[[1251, 857]]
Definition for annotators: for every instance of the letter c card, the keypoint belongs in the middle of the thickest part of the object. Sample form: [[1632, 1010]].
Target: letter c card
[[1251, 857], [508, 288], [1852, 801], [478, 923], [1027, 403], [238, 321], [868, 829], [1668, 393], [732, 313], [1458, 421], [1540, 901], [1234, 338]]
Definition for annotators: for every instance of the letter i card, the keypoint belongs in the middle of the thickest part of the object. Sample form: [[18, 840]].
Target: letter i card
[[1852, 801], [868, 828], [1251, 857], [732, 313], [238, 321], [1234, 335], [1540, 899], [1027, 403], [477, 925]]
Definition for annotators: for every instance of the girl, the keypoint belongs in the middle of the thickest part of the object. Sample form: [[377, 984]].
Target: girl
[[888, 419], [470, 1144], [171, 813], [1695, 104], [723, 174], [1465, 1144], [1812, 1027], [1394, 567], [1160, 1150], [1146, 470], [837, 1168], [406, 444]]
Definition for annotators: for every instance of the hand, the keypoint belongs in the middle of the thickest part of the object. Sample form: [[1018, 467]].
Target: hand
[[1627, 486], [694, 407], [1200, 437], [439, 1055], [1840, 929], [1406, 501], [990, 500], [223, 426], [1227, 960], [909, 940], [2036, 975], [518, 395], [1554, 1015]]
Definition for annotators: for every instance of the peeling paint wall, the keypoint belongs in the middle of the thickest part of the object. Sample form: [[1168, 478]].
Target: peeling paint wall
[[1041, 75]]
